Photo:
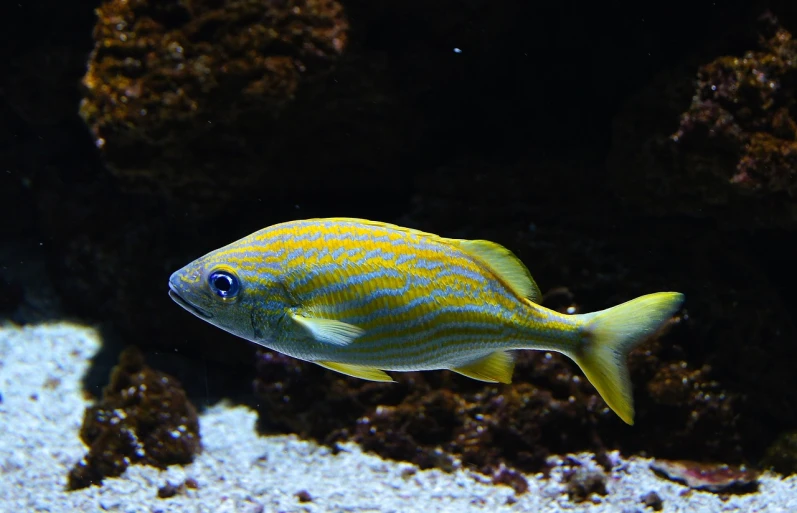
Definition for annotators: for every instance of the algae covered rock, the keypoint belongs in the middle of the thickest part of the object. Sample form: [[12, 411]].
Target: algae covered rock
[[144, 417], [184, 98], [732, 153]]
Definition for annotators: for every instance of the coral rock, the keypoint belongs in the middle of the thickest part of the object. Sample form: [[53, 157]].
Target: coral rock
[[144, 417], [734, 151], [172, 86]]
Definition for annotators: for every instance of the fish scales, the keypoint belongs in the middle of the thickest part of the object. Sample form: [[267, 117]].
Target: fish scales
[[372, 268], [354, 288], [361, 297]]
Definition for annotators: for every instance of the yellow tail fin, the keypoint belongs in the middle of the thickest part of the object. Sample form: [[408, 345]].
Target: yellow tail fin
[[608, 337]]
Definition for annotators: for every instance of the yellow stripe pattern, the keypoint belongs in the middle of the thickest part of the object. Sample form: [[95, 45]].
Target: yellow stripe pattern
[[422, 302]]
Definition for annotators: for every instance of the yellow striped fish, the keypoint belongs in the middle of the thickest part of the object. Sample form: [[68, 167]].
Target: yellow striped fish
[[361, 297]]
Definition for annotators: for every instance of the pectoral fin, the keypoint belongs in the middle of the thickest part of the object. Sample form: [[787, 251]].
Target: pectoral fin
[[496, 367], [357, 371], [327, 330]]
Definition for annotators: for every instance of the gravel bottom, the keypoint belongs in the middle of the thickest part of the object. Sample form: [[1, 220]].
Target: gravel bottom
[[238, 471]]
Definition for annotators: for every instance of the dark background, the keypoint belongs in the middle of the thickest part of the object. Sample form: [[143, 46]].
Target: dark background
[[521, 138]]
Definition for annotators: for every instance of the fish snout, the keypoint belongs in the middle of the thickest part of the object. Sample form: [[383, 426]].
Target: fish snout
[[180, 290]]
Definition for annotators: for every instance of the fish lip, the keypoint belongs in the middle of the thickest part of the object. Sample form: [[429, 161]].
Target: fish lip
[[203, 314]]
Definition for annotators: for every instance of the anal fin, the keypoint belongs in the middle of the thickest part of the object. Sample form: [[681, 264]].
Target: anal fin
[[496, 367], [357, 371]]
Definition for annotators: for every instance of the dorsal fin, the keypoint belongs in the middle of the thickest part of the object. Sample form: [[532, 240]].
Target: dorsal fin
[[505, 265]]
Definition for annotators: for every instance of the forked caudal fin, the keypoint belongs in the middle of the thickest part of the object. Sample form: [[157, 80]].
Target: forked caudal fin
[[609, 335]]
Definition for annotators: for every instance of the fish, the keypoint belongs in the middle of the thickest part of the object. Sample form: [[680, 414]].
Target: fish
[[364, 297]]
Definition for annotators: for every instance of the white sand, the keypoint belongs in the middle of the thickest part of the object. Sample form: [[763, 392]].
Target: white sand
[[242, 472]]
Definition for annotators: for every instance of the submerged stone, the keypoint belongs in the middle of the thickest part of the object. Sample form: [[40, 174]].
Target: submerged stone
[[582, 482], [144, 417], [713, 477]]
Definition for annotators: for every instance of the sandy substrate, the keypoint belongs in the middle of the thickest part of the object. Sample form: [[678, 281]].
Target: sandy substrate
[[238, 471]]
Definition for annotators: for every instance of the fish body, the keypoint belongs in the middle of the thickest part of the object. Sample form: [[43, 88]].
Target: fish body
[[363, 297]]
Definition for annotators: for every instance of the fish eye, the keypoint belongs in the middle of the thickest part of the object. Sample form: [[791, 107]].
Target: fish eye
[[224, 284]]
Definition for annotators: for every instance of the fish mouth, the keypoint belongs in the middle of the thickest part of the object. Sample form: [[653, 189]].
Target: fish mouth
[[203, 314]]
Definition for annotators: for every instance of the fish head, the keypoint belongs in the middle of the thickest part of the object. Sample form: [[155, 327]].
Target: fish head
[[218, 293]]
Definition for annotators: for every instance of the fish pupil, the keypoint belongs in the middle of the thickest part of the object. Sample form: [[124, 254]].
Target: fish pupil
[[223, 283]]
